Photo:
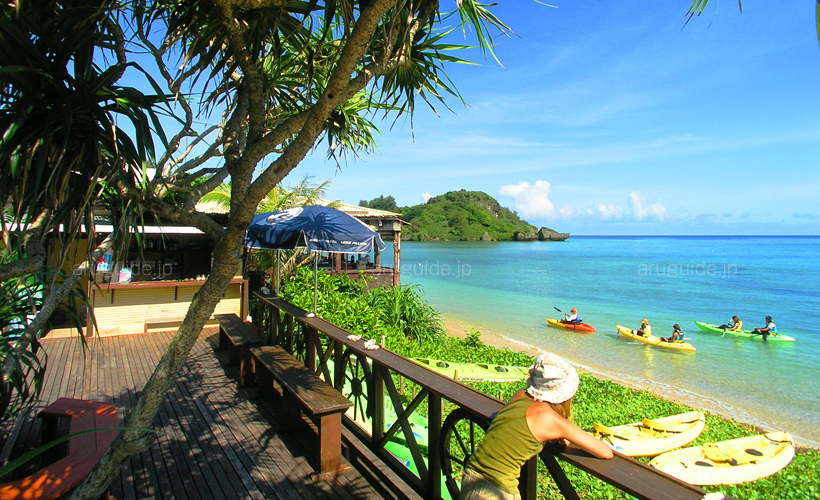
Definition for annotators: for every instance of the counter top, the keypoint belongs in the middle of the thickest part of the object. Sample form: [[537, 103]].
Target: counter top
[[156, 284]]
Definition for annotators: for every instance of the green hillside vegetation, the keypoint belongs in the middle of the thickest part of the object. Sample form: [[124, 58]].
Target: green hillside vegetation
[[460, 216]]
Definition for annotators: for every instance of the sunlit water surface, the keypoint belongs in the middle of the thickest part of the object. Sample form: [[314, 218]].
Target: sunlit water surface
[[510, 288]]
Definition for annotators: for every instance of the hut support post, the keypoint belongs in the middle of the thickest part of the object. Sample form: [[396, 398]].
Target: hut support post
[[396, 258]]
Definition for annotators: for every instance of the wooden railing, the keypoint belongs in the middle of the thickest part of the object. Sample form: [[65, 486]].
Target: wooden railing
[[457, 415]]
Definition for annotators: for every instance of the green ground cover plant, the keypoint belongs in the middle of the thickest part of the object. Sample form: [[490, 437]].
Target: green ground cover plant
[[413, 329]]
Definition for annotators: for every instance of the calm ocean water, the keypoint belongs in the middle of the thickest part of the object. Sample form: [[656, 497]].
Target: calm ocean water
[[510, 288]]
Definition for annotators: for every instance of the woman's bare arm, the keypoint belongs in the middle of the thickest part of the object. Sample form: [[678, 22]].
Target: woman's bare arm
[[546, 425], [586, 442]]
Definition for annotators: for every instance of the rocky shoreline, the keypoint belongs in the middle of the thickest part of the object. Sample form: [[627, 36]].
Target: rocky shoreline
[[543, 234]]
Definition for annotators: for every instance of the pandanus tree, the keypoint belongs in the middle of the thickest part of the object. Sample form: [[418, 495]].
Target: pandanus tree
[[270, 80], [62, 118]]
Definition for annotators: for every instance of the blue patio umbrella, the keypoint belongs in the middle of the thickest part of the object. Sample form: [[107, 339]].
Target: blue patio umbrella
[[317, 228]]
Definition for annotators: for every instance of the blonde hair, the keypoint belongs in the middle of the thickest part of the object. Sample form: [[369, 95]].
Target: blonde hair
[[564, 409]]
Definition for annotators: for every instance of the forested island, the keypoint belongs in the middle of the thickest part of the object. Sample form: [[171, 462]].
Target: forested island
[[463, 216]]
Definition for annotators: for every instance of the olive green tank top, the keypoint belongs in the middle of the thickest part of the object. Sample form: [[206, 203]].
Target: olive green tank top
[[507, 446]]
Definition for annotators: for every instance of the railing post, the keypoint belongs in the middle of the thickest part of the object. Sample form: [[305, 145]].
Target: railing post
[[558, 475], [338, 365], [528, 483], [310, 343], [275, 326], [434, 412], [378, 405], [289, 333]]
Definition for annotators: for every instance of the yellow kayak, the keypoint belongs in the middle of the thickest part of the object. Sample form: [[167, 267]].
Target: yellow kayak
[[654, 341], [729, 462], [648, 438]]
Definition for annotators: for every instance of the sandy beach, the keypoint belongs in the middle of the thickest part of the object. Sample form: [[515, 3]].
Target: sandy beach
[[460, 328]]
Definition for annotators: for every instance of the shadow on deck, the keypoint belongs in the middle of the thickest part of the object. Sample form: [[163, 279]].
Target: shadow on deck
[[214, 440]]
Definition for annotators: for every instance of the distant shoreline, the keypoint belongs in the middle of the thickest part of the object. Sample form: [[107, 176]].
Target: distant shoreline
[[459, 328]]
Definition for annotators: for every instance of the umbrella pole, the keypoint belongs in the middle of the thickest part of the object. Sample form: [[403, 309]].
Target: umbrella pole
[[315, 282], [278, 273]]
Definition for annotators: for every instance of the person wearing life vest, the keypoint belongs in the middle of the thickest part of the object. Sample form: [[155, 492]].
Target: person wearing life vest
[[574, 318], [733, 325], [645, 330], [677, 334], [769, 329]]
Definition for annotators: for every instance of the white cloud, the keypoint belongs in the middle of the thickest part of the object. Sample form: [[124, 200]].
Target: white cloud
[[659, 211], [636, 200], [426, 196], [639, 212], [635, 212], [531, 200], [611, 212]]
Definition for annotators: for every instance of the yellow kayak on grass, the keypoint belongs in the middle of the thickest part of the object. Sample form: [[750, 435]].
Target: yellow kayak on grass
[[648, 438], [654, 341], [729, 462]]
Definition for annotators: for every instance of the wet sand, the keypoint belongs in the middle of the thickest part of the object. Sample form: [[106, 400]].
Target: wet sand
[[458, 328]]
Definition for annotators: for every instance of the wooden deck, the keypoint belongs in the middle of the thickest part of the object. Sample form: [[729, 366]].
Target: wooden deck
[[214, 440]]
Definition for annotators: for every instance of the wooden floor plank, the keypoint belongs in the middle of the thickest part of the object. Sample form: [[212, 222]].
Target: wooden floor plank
[[185, 452], [222, 397], [147, 483], [293, 470], [122, 487], [115, 384], [175, 463], [174, 479], [212, 454], [214, 439], [300, 469], [301, 443]]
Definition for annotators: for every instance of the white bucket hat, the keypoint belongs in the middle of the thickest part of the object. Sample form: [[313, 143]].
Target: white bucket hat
[[552, 379]]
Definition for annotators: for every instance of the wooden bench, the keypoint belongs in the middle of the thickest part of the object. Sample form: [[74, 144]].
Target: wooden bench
[[301, 389], [238, 337], [83, 451]]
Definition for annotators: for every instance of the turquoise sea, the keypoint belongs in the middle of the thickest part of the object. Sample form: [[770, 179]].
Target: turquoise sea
[[510, 288]]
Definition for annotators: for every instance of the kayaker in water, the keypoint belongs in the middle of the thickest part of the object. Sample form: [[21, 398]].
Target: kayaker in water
[[519, 431], [733, 325], [677, 335], [645, 330], [769, 329], [574, 318]]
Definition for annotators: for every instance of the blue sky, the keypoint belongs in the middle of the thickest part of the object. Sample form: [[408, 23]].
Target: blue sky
[[608, 118]]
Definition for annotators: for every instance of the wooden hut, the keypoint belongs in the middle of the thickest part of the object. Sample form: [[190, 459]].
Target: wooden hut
[[388, 225]]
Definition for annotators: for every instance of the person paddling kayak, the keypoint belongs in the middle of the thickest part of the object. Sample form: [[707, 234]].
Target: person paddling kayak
[[573, 319], [645, 330], [677, 334], [733, 325], [769, 329]]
